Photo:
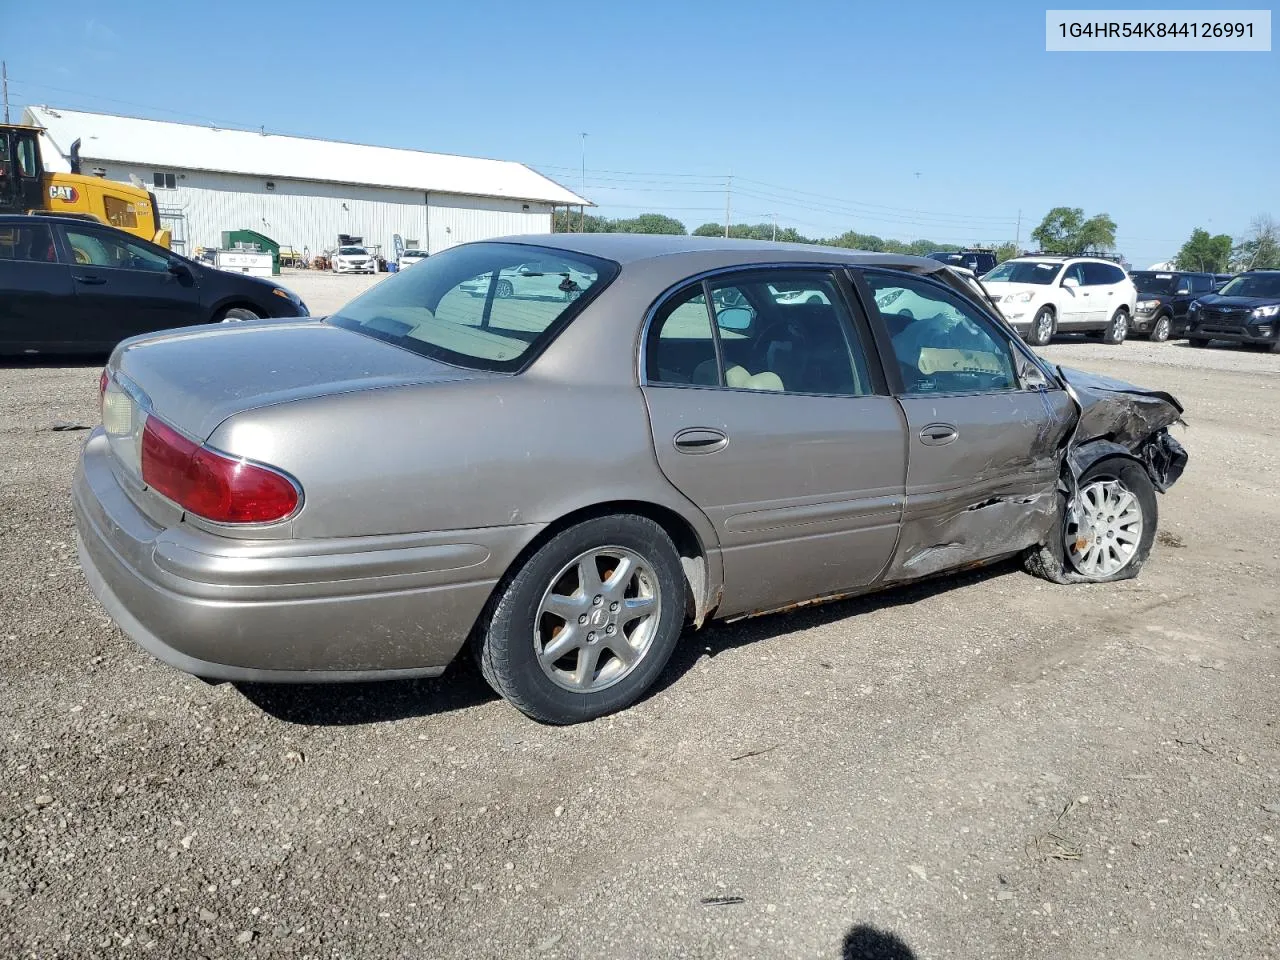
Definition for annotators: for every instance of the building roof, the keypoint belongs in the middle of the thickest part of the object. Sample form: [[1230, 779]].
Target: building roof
[[161, 144]]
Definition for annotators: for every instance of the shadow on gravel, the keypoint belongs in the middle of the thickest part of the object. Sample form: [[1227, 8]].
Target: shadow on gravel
[[461, 686], [867, 943], [716, 639], [345, 704]]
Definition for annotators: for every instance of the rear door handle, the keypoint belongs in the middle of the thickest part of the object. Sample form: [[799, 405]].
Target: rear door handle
[[936, 434], [700, 440], [89, 280]]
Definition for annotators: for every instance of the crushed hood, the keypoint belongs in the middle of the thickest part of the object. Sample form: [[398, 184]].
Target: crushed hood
[[1119, 410]]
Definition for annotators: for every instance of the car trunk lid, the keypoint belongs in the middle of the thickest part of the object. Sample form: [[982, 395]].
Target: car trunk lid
[[195, 378]]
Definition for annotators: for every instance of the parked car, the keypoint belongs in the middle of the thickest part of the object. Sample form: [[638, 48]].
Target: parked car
[[409, 257], [1043, 295], [536, 280], [1164, 299], [979, 260], [353, 260], [71, 286], [1246, 310], [570, 484]]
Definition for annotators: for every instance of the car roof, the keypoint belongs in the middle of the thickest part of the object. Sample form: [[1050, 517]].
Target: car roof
[[624, 248]]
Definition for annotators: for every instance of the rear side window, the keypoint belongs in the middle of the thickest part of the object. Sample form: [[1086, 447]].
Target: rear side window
[[777, 331], [1100, 274], [487, 306], [27, 242], [1201, 283]]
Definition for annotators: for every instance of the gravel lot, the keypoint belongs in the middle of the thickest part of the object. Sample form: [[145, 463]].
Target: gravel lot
[[987, 766]]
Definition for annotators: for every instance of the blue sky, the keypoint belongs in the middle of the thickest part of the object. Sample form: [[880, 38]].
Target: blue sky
[[938, 120]]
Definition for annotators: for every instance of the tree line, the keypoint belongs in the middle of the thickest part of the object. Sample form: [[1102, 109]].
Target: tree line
[[1064, 231]]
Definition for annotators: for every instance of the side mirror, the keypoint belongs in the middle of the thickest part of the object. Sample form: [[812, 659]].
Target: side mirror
[[734, 318], [1033, 377], [178, 267], [1070, 283], [1182, 291]]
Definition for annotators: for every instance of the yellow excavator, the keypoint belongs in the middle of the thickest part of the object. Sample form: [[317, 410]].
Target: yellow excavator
[[26, 187]]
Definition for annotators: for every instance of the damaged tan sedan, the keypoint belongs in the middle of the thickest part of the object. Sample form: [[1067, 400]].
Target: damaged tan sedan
[[667, 431]]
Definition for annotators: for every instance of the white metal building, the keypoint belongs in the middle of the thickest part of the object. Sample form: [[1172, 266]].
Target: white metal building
[[302, 192]]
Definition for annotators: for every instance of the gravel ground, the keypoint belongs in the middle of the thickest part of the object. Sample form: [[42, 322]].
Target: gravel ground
[[988, 766]]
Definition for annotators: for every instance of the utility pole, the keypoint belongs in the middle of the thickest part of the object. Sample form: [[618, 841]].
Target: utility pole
[[1017, 237], [582, 215], [728, 203], [775, 226], [4, 73]]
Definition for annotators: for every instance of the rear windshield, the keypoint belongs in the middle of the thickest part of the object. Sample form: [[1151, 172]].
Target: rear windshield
[[1155, 283], [1253, 285], [1024, 271], [488, 306]]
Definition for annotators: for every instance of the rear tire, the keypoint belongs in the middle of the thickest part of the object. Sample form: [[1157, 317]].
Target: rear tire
[[237, 314], [1160, 332], [1043, 326], [1118, 329], [551, 605]]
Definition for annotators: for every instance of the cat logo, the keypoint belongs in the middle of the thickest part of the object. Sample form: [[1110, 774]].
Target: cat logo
[[63, 193]]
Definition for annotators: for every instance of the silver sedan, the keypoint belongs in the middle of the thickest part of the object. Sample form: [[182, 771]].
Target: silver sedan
[[568, 484]]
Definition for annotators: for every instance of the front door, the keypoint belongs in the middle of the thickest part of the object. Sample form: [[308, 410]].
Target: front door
[[37, 301], [767, 415], [124, 286], [1075, 304], [983, 461]]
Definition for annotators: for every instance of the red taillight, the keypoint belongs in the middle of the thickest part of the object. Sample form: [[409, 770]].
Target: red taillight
[[211, 485], [103, 380]]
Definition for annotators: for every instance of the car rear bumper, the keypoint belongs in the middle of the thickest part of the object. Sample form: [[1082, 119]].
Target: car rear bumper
[[286, 611]]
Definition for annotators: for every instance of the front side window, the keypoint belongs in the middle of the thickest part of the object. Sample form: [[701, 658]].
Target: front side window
[[101, 249], [28, 242], [1025, 271], [942, 344], [1074, 272], [777, 331], [471, 306]]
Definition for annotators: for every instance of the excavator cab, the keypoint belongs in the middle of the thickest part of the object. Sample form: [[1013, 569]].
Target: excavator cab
[[21, 172]]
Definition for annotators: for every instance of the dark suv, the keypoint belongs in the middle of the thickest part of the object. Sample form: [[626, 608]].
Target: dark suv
[[75, 286], [1164, 299], [978, 260], [1246, 310]]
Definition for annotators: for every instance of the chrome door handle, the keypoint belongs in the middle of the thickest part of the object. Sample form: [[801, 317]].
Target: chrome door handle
[[700, 440], [937, 434]]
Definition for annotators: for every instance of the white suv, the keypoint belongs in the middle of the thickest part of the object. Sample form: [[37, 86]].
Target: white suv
[[1041, 296]]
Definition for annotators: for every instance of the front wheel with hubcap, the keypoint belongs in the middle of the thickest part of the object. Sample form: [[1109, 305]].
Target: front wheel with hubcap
[[1042, 327], [1160, 332], [1108, 530], [1118, 329], [503, 289], [589, 621]]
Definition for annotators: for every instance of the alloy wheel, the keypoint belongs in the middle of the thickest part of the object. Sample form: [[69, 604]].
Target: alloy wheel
[[598, 619]]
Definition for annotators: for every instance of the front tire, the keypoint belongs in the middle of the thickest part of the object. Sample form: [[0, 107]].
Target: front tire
[[1043, 326], [1198, 341], [1160, 332], [589, 621], [1118, 328], [237, 314], [503, 290]]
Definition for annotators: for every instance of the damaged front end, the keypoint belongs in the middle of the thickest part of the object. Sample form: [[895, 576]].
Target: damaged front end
[[1115, 419], [1119, 419]]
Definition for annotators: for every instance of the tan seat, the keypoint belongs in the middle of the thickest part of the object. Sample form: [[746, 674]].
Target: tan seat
[[738, 377]]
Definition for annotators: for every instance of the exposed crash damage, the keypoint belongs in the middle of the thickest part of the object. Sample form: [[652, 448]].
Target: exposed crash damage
[[1121, 428]]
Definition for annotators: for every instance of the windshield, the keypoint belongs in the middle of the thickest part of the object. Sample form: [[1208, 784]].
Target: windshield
[[353, 252], [410, 254], [1155, 283], [472, 306], [1255, 285], [1024, 271]]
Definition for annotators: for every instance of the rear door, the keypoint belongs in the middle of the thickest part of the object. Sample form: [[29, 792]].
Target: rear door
[[37, 301], [124, 286], [768, 415], [982, 463]]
